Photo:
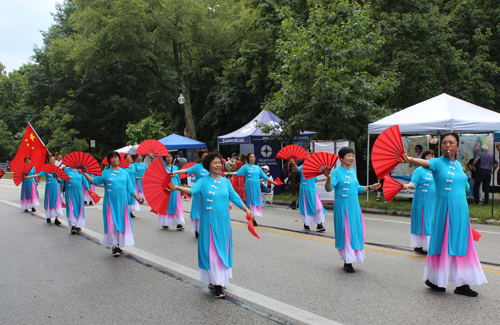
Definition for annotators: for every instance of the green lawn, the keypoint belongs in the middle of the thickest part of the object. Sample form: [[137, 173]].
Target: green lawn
[[481, 212]]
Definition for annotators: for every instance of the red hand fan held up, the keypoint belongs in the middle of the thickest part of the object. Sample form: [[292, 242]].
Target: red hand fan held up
[[316, 164], [155, 184], [152, 146], [82, 161], [55, 171], [391, 188], [21, 170], [251, 228], [186, 166], [387, 150], [292, 151]]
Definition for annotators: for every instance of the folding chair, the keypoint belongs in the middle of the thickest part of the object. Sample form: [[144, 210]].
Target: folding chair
[[268, 198]]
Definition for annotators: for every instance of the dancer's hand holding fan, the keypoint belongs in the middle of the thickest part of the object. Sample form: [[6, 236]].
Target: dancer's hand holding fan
[[155, 183], [317, 163], [388, 149]]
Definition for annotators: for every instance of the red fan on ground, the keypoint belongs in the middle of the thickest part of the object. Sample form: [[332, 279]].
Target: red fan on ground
[[186, 166], [82, 161], [96, 198], [292, 151], [387, 150], [55, 171], [20, 171], [154, 185], [152, 146], [251, 228], [391, 188], [2, 173], [316, 164], [123, 161]]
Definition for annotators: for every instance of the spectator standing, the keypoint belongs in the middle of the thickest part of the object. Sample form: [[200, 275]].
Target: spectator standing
[[485, 164], [473, 173], [293, 175], [180, 161]]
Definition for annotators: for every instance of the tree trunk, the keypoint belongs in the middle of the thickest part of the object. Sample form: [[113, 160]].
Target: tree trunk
[[190, 130]]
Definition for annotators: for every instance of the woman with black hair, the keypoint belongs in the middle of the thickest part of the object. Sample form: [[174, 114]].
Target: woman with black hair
[[310, 206], [29, 192], [116, 216], [199, 172], [215, 245], [175, 214], [452, 255], [254, 175], [347, 216], [422, 206]]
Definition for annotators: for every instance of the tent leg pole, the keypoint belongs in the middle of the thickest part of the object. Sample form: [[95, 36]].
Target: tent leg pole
[[368, 165], [493, 186]]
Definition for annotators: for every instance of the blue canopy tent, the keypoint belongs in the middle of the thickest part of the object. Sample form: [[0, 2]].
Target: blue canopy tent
[[251, 138], [175, 141]]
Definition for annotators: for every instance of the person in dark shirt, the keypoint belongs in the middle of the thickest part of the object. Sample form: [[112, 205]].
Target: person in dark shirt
[[473, 172], [485, 164]]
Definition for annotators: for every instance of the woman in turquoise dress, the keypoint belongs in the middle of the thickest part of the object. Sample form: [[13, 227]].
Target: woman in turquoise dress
[[29, 192], [215, 244], [310, 206], [133, 203], [175, 213], [452, 256], [422, 206], [74, 199], [347, 216], [199, 172], [254, 174], [117, 188], [140, 169], [52, 203]]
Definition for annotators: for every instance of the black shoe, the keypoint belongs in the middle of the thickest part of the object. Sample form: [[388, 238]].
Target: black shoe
[[131, 215], [78, 230], [211, 287], [91, 203], [166, 227], [420, 250], [84, 202], [320, 228], [196, 234], [180, 227], [116, 251], [466, 291], [255, 223], [26, 210], [33, 209], [348, 268], [48, 220], [73, 230], [57, 222], [434, 287], [219, 293], [306, 227]]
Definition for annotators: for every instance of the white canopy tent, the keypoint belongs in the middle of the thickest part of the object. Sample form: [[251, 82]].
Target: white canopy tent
[[437, 115], [128, 149]]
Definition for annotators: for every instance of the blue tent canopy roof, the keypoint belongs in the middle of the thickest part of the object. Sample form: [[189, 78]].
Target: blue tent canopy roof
[[250, 131], [175, 141]]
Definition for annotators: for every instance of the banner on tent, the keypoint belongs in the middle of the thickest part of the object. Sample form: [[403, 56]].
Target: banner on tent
[[265, 152]]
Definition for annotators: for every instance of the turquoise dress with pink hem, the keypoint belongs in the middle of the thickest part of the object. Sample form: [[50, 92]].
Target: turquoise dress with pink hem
[[199, 173], [253, 173], [310, 206], [74, 197], [29, 193], [52, 202], [116, 215]]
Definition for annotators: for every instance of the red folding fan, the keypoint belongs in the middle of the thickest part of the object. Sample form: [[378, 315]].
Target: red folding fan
[[21, 170], [82, 161], [2, 173], [475, 234], [251, 228], [63, 205], [317, 163], [152, 146], [387, 150], [186, 166], [292, 151], [123, 161], [391, 188], [186, 196], [55, 171], [96, 198], [156, 180], [278, 181]]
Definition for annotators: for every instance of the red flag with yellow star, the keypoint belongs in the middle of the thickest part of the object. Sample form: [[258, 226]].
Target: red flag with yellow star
[[33, 147]]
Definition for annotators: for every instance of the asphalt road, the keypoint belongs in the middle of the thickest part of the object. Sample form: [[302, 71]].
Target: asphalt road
[[288, 276]]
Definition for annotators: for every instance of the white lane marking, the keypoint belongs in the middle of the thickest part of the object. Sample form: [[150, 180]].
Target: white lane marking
[[488, 232], [256, 298], [405, 222]]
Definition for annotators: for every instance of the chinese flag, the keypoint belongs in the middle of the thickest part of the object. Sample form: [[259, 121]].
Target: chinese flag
[[33, 147]]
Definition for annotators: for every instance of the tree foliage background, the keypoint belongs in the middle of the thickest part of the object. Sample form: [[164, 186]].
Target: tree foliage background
[[111, 70]]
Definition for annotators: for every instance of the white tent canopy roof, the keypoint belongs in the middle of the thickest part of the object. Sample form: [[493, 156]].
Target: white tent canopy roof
[[440, 114]]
